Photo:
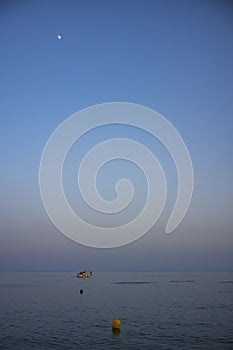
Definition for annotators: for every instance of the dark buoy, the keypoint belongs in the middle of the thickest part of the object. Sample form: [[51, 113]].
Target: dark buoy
[[81, 291]]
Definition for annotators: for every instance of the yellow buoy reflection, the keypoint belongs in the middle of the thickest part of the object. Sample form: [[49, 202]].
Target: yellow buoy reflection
[[116, 331]]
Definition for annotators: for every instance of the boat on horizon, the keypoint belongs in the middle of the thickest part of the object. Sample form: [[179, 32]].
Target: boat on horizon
[[84, 274]]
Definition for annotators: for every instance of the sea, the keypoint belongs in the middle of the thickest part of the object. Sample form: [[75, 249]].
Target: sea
[[45, 310]]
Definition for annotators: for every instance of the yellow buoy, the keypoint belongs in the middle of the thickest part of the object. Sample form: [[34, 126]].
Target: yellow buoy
[[116, 324]]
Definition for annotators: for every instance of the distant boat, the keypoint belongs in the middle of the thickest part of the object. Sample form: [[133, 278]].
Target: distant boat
[[84, 274]]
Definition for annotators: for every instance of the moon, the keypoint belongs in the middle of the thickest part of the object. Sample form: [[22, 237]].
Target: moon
[[59, 36]]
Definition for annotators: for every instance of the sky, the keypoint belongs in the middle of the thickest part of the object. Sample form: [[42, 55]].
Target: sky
[[171, 56]]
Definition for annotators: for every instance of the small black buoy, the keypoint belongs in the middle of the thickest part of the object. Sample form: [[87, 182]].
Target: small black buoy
[[81, 291]]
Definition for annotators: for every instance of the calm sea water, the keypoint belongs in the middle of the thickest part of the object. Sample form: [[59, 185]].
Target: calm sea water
[[157, 311]]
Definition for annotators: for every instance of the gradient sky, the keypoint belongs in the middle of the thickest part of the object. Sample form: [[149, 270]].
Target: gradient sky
[[172, 56]]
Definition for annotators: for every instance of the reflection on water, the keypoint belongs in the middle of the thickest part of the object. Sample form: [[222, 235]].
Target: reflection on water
[[116, 332]]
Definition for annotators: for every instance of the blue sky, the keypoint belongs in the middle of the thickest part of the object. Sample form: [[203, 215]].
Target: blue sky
[[172, 56]]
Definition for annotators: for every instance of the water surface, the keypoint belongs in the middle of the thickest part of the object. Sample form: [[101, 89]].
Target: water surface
[[157, 311]]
